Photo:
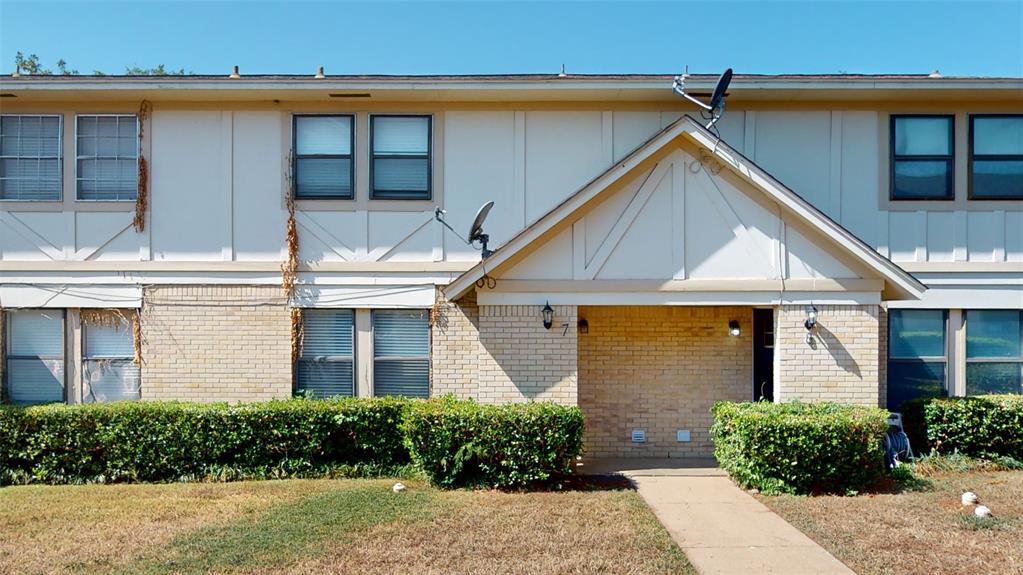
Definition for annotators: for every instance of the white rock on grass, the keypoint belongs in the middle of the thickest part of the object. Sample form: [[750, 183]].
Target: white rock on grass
[[398, 487], [969, 498], [982, 511]]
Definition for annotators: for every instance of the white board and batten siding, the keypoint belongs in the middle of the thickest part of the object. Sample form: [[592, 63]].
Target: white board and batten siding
[[217, 178]]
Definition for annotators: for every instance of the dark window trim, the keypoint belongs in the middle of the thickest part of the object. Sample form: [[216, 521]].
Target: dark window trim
[[350, 156], [970, 157], [375, 194], [992, 359], [950, 159]]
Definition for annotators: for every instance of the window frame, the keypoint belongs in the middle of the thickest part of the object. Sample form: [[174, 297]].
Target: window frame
[[894, 158], [970, 156], [120, 359], [8, 356], [60, 156], [352, 359], [351, 155], [429, 347], [945, 359], [138, 154], [1017, 359], [374, 194]]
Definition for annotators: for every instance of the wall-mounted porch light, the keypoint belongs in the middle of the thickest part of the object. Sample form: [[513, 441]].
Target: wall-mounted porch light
[[811, 322], [733, 328], [548, 315], [584, 326]]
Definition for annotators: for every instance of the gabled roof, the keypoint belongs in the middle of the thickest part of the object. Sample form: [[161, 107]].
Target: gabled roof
[[899, 284]]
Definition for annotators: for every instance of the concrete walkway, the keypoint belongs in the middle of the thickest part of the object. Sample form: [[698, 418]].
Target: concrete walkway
[[721, 528]]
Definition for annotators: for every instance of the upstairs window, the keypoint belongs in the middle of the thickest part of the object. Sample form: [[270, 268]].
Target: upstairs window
[[401, 353], [30, 157], [922, 158], [400, 159], [326, 367], [994, 351], [107, 157], [109, 371], [35, 356], [996, 157], [917, 358], [323, 157]]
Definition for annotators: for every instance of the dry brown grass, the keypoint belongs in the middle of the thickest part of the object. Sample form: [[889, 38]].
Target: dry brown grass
[[57, 529], [922, 532], [341, 526], [495, 532]]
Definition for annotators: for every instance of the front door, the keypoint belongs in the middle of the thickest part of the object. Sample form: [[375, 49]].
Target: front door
[[763, 354]]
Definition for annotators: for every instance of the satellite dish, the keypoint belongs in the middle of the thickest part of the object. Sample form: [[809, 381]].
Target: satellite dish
[[716, 108], [718, 99], [477, 224], [475, 232]]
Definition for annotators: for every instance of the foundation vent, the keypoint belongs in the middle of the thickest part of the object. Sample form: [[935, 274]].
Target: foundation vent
[[639, 436]]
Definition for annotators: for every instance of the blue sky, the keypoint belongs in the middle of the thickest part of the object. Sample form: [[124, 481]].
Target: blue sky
[[958, 38]]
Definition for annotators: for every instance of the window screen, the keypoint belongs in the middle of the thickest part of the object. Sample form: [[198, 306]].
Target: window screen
[[401, 353], [922, 158], [109, 372], [107, 157], [326, 367], [916, 355], [994, 351], [35, 356], [400, 164], [996, 157], [30, 157], [323, 157]]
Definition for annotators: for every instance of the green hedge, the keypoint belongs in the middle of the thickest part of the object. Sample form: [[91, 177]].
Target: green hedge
[[171, 441], [978, 426], [464, 443], [800, 448], [168, 441]]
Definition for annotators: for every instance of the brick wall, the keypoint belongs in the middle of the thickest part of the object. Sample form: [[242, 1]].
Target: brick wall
[[519, 360], [215, 343], [660, 369], [842, 362], [454, 356]]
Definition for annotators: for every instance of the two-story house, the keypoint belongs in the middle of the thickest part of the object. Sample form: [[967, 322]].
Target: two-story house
[[234, 238]]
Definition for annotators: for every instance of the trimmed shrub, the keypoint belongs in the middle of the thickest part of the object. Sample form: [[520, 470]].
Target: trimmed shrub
[[800, 448], [981, 426], [169, 441], [461, 443]]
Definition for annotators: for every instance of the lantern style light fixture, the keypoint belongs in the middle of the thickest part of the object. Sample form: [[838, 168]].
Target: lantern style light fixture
[[584, 326], [811, 322], [733, 328], [548, 315]]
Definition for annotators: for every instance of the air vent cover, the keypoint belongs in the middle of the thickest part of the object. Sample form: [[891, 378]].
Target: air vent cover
[[639, 436]]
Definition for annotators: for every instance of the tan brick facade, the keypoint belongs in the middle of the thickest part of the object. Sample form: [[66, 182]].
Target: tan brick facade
[[840, 364], [215, 343], [520, 360], [455, 347], [660, 369]]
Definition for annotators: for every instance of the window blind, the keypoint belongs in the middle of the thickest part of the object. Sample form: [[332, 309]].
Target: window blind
[[323, 156], [401, 157], [107, 157], [109, 372], [401, 350], [30, 157], [326, 365], [35, 356]]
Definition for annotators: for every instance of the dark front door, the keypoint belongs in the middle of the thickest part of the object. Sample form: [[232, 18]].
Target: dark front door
[[763, 354]]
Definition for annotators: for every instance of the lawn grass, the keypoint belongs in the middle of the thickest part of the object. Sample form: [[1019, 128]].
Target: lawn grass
[[923, 530], [328, 526]]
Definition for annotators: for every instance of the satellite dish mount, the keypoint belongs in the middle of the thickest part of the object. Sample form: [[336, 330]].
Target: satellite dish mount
[[713, 110], [475, 232]]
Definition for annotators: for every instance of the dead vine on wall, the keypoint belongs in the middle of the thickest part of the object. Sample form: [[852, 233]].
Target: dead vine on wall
[[113, 317], [289, 269], [142, 197]]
